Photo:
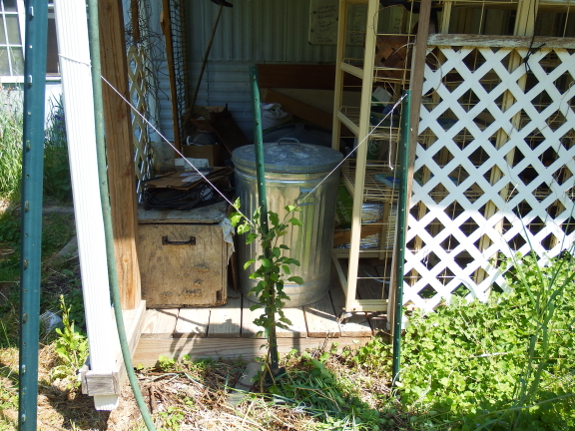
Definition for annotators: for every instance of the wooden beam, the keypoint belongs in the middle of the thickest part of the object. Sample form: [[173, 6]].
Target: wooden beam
[[416, 87], [150, 349], [304, 76], [499, 41], [167, 30], [135, 8], [102, 384], [120, 149]]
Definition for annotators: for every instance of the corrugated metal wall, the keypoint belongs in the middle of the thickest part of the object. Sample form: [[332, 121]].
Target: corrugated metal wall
[[253, 31]]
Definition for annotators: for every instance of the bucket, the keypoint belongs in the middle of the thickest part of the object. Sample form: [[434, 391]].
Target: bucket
[[292, 170]]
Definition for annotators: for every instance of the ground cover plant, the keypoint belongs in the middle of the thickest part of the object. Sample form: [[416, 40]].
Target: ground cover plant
[[507, 364]]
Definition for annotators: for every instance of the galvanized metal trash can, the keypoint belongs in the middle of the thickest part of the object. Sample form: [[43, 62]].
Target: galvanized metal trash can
[[292, 170]]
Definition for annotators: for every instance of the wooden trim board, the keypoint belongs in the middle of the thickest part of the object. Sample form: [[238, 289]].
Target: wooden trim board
[[150, 349], [97, 383], [499, 41]]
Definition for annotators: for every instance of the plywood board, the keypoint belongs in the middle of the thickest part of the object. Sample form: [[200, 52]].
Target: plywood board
[[249, 328], [298, 328], [225, 321], [192, 322], [160, 322], [183, 265], [320, 318]]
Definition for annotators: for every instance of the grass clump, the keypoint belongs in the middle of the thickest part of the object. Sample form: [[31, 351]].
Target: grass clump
[[11, 123], [57, 184]]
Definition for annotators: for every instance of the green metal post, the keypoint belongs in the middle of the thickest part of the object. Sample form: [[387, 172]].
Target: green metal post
[[401, 228], [262, 199], [32, 186], [258, 142]]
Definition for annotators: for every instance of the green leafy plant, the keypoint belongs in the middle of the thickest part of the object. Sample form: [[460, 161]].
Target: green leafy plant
[[272, 269], [172, 418], [506, 364], [71, 348], [165, 363]]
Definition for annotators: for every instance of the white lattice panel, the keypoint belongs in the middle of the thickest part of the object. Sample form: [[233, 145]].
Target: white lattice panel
[[138, 95], [494, 168]]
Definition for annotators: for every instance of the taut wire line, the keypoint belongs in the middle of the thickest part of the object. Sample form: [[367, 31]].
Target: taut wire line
[[395, 105], [213, 186], [174, 148]]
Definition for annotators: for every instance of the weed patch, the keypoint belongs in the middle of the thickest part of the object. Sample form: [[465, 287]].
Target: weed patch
[[502, 365]]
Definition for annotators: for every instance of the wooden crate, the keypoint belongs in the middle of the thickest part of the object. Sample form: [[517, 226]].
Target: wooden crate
[[182, 264]]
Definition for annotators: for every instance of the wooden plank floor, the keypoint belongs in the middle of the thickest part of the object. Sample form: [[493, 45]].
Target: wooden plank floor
[[229, 332]]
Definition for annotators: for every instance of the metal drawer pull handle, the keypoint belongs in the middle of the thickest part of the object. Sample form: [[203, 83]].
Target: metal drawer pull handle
[[191, 241]]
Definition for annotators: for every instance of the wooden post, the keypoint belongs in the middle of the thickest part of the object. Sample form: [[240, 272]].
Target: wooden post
[[416, 87], [167, 30], [525, 26], [120, 149]]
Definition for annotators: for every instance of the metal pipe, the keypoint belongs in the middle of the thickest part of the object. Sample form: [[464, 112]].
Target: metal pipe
[[31, 216], [206, 55], [401, 227], [106, 207]]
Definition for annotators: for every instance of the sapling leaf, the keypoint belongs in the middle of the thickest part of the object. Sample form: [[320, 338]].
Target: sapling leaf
[[295, 279], [255, 306], [274, 219], [243, 228], [249, 263], [286, 269], [251, 237], [294, 221], [235, 218]]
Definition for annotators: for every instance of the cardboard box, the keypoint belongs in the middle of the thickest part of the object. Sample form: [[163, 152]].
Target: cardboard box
[[213, 153]]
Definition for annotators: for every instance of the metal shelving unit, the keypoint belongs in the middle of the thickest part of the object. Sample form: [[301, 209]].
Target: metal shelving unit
[[370, 182]]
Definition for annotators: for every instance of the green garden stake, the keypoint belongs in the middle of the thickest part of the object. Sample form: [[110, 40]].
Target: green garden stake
[[32, 185], [262, 199], [401, 228]]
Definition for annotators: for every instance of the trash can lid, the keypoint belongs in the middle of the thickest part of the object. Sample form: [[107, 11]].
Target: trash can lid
[[288, 155]]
